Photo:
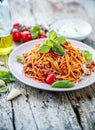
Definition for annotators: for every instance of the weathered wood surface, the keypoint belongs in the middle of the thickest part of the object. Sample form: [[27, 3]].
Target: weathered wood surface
[[43, 110]]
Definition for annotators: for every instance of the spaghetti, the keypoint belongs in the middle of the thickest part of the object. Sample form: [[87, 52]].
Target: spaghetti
[[67, 67]]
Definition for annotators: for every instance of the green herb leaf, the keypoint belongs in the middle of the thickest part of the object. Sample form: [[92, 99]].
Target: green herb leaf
[[61, 40], [20, 59], [4, 89], [35, 35], [87, 55], [62, 84], [44, 48], [42, 32], [58, 49], [35, 29], [49, 43], [7, 78], [3, 71], [52, 35]]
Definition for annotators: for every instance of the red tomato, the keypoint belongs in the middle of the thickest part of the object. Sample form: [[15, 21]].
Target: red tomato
[[16, 35], [26, 36], [50, 78], [16, 25], [41, 36]]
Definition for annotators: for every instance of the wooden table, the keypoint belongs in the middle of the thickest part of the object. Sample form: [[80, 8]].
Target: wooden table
[[43, 110]]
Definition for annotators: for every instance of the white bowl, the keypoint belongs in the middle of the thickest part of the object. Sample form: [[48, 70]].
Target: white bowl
[[72, 28]]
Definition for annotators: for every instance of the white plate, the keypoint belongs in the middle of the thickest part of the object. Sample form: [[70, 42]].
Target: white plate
[[17, 68], [72, 28]]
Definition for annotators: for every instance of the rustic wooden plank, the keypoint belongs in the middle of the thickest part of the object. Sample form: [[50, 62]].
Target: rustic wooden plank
[[13, 113], [52, 111], [6, 115], [83, 103], [23, 118]]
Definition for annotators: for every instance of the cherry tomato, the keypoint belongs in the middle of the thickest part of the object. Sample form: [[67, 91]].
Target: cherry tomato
[[41, 36], [26, 36], [16, 25], [50, 78], [16, 35]]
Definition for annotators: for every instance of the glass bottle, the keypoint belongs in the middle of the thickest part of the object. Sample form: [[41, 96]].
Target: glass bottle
[[5, 28]]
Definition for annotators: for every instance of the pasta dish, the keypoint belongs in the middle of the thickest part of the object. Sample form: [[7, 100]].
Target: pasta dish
[[71, 66]]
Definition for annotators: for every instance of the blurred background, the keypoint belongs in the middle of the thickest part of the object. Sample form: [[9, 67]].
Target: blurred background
[[46, 12]]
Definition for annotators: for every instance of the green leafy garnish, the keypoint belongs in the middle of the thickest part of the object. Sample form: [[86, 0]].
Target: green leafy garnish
[[35, 31], [61, 40], [87, 55], [35, 28], [49, 43], [62, 84], [52, 35], [54, 41], [5, 75], [42, 32], [20, 59], [34, 35], [3, 70], [7, 78], [58, 49], [44, 48], [4, 89]]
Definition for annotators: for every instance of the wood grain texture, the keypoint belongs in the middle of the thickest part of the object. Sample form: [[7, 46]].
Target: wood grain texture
[[43, 110]]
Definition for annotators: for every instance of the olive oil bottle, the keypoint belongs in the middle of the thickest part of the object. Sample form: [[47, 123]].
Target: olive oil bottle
[[5, 28], [5, 44]]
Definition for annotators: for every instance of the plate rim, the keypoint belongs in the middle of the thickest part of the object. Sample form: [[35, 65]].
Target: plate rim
[[46, 88]]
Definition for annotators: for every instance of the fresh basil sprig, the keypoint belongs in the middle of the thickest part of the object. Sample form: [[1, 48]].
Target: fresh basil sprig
[[62, 84], [5, 75], [7, 78], [54, 41], [35, 31]]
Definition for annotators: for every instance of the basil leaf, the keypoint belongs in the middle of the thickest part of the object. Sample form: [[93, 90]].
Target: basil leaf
[[52, 35], [58, 49], [4, 89], [4, 71], [42, 32], [44, 48], [20, 59], [62, 84], [35, 35], [35, 29], [7, 78], [49, 43], [87, 55], [61, 40]]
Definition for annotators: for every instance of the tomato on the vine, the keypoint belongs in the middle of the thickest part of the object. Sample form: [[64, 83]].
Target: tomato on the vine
[[16, 25], [22, 33], [16, 35], [26, 36]]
